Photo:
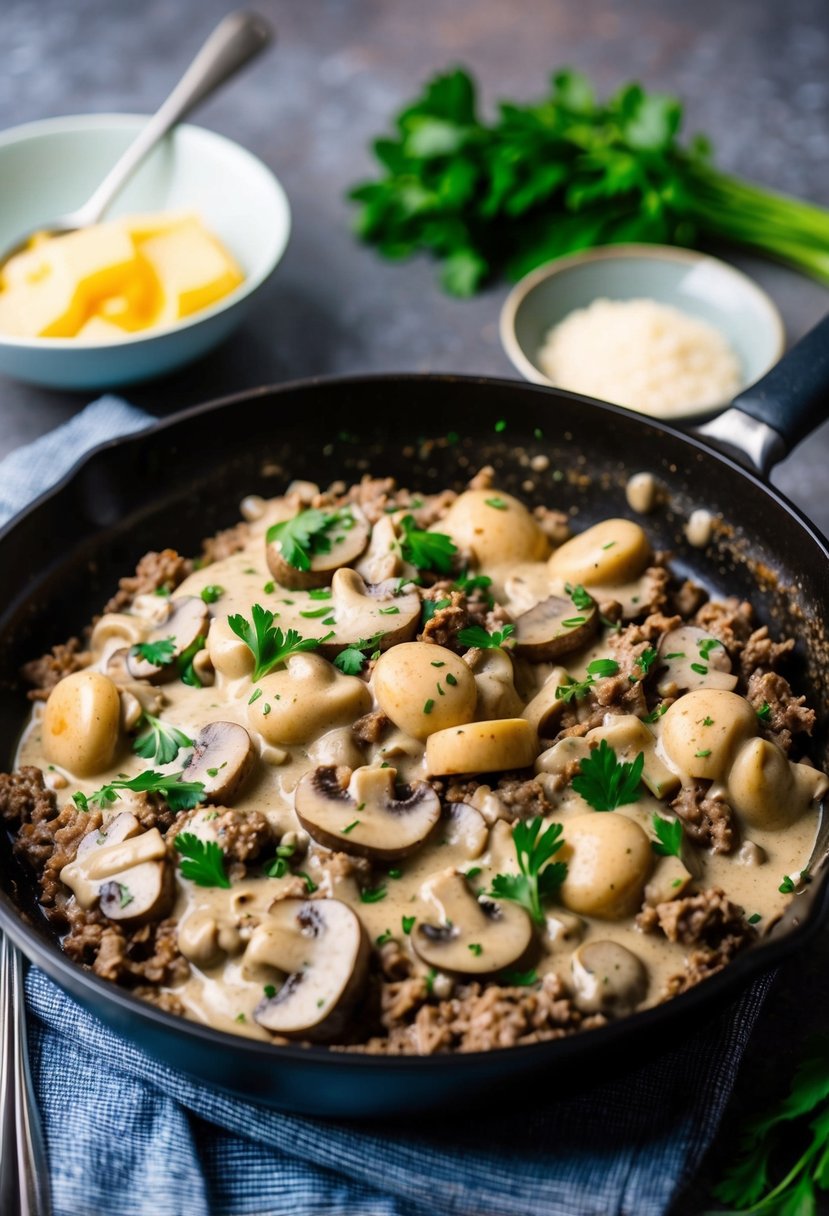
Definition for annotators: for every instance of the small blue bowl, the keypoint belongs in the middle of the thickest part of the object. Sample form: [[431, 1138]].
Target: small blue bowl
[[699, 285], [53, 166]]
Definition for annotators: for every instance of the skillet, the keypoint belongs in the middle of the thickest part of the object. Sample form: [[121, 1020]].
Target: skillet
[[183, 479]]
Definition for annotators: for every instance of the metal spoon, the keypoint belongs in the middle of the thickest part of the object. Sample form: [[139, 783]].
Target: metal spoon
[[233, 43], [24, 1167]]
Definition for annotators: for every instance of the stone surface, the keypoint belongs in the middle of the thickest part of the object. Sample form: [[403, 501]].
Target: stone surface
[[751, 72]]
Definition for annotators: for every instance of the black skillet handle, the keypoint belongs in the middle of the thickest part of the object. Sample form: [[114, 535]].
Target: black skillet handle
[[771, 417]]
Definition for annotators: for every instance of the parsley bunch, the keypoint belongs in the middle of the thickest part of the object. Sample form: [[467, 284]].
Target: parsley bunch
[[540, 877], [179, 795], [268, 644], [565, 174], [303, 537], [605, 782]]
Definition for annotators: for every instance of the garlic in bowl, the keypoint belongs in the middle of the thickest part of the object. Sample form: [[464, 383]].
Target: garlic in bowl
[[207, 219]]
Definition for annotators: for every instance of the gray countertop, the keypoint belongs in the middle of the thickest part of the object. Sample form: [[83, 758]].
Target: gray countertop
[[752, 74]]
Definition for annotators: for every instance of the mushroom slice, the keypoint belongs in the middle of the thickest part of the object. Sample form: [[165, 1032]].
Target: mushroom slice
[[628, 736], [469, 935], [187, 619], [481, 747], [126, 869], [495, 679], [363, 610], [339, 542], [122, 826], [608, 978], [138, 895], [322, 949], [554, 627], [692, 658], [465, 833], [365, 816], [223, 756], [544, 710]]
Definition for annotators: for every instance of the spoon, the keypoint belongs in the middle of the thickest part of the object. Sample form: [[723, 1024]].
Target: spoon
[[235, 41]]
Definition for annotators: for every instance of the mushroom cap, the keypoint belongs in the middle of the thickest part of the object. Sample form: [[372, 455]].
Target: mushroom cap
[[363, 610], [138, 895], [424, 688], [553, 628], [494, 527], [608, 978], [469, 935], [187, 619], [223, 756], [702, 731], [611, 552], [481, 747], [544, 710], [346, 540], [609, 860], [307, 698], [127, 870], [685, 668], [81, 723], [365, 816], [322, 948], [495, 680]]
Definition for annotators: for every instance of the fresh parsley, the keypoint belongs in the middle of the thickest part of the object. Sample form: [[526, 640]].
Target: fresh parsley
[[598, 669], [266, 642], [581, 599], [307, 534], [202, 861], [160, 654], [518, 979], [179, 795], [469, 583], [668, 841], [476, 635], [540, 878], [764, 712], [160, 742], [352, 660], [426, 550], [211, 593], [186, 670], [646, 660], [373, 895], [604, 782]]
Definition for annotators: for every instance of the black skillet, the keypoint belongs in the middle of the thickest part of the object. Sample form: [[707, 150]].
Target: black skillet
[[183, 480]]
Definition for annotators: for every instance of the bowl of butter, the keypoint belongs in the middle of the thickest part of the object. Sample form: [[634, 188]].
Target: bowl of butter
[[167, 275]]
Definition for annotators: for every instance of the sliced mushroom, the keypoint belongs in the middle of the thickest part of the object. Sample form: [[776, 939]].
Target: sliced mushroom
[[346, 538], [363, 610], [553, 628], [127, 870], [469, 935], [544, 710], [495, 679], [322, 949], [382, 559], [670, 879], [608, 978], [463, 834], [308, 697], [365, 816], [628, 736], [692, 659], [187, 619], [223, 755], [481, 747]]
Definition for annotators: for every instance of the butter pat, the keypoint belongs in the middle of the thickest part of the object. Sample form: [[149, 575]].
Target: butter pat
[[194, 270]]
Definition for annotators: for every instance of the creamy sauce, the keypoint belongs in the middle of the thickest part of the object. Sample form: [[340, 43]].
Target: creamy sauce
[[215, 924]]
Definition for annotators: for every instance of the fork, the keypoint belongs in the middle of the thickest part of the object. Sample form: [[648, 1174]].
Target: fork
[[24, 1170]]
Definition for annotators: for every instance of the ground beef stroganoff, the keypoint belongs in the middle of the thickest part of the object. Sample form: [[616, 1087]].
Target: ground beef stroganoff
[[411, 774]]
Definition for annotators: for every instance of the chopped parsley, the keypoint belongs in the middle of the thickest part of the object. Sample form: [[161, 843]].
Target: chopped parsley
[[497, 503], [320, 593], [354, 824], [755, 918], [268, 644], [467, 583], [428, 706], [475, 948], [384, 937], [426, 550], [703, 753], [581, 599], [407, 923], [699, 668], [160, 654], [598, 669], [312, 613], [451, 680], [519, 979], [352, 660], [212, 592], [476, 635], [186, 670], [202, 861], [310, 885], [707, 721], [764, 712], [646, 660], [655, 714], [430, 607], [604, 782], [159, 742], [540, 878], [307, 534], [668, 841], [706, 645], [373, 895]]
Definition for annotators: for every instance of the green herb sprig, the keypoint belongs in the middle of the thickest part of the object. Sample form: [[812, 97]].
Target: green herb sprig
[[604, 782], [202, 861], [352, 660], [179, 795], [598, 669], [266, 642], [668, 841], [476, 635], [159, 742], [426, 550], [307, 534], [540, 878]]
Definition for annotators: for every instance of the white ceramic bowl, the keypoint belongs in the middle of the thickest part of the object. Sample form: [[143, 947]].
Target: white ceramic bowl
[[696, 283], [49, 167]]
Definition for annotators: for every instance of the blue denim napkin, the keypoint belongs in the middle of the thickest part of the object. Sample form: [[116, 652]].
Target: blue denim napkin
[[128, 1135]]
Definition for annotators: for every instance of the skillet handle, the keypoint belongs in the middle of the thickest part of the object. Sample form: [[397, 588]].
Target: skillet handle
[[771, 417]]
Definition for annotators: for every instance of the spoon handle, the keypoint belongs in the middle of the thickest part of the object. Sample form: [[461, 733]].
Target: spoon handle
[[24, 1170], [235, 41]]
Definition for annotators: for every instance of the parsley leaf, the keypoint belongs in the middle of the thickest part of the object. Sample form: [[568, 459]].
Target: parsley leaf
[[468, 583], [352, 660], [540, 878], [268, 644], [669, 837], [179, 795], [305, 535], [764, 712], [604, 782], [581, 599], [160, 742], [426, 550], [476, 635], [212, 592], [160, 654], [186, 670], [202, 861], [597, 669]]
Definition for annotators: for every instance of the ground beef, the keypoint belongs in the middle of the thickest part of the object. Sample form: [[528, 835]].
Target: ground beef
[[477, 1018], [554, 524], [164, 569], [149, 955], [709, 822], [339, 866], [66, 830], [654, 593], [243, 835], [524, 799], [225, 543], [377, 496], [788, 715], [168, 1001], [371, 727], [62, 660], [687, 599], [24, 797], [760, 653], [730, 620], [447, 622], [710, 924], [150, 810]]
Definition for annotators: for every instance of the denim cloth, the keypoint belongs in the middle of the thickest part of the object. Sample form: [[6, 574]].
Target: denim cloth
[[128, 1135]]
